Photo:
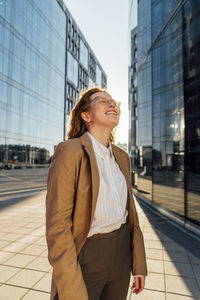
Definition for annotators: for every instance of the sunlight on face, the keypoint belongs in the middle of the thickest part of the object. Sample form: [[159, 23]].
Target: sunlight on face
[[105, 111]]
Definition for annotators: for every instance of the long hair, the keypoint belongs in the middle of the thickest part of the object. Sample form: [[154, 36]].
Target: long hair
[[77, 126]]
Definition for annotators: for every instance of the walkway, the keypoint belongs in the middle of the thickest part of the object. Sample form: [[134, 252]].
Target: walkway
[[173, 257]]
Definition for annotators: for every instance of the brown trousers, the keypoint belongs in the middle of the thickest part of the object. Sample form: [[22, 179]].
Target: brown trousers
[[105, 261]]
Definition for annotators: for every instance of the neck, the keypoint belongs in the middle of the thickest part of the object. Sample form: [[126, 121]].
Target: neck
[[102, 136]]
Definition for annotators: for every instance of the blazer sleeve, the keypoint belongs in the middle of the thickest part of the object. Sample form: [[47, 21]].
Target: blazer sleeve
[[139, 265], [60, 197]]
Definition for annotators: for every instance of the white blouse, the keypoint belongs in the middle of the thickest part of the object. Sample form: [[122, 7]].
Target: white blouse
[[110, 210]]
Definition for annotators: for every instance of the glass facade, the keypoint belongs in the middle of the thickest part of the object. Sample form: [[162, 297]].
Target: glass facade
[[133, 100], [32, 51], [84, 55], [168, 110], [142, 111], [191, 63], [167, 145], [72, 69], [44, 63]]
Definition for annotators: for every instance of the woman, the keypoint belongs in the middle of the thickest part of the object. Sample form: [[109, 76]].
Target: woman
[[92, 229]]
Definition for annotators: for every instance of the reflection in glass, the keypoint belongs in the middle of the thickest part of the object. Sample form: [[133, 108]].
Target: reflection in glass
[[72, 68], [32, 95], [169, 94], [83, 54], [168, 135], [91, 83], [98, 76]]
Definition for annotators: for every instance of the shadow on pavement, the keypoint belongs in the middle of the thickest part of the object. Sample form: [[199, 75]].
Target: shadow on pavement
[[169, 233], [11, 199]]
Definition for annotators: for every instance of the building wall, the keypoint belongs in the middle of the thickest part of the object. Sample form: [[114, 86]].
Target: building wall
[[133, 122], [144, 102], [44, 63], [191, 60], [168, 109], [31, 79], [168, 160]]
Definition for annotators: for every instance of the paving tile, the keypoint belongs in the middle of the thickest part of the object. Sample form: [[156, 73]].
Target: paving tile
[[44, 284], [32, 225], [166, 238], [148, 230], [148, 224], [194, 259], [20, 223], [9, 229], [153, 244], [14, 247], [40, 264], [4, 256], [7, 223], [154, 265], [4, 243], [153, 253], [7, 272], [27, 238], [38, 232], [26, 278], [173, 246], [178, 256], [45, 253], [2, 234], [33, 250], [22, 230], [179, 297], [41, 241], [11, 236], [155, 282], [178, 285], [148, 295], [151, 236], [19, 260], [196, 270], [9, 292], [33, 295], [178, 269]]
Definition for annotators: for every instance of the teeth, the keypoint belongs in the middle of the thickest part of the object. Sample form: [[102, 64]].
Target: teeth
[[111, 112]]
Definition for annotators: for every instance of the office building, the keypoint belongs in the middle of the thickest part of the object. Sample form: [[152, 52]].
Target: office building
[[164, 141], [45, 62]]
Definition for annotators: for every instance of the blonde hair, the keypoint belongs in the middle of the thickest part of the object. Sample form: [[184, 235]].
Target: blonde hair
[[77, 126]]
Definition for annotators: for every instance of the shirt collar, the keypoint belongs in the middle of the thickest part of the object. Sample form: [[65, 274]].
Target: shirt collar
[[100, 149]]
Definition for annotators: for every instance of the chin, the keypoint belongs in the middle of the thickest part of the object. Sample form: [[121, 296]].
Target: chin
[[113, 124]]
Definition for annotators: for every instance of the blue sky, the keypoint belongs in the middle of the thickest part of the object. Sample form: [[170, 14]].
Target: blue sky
[[105, 26]]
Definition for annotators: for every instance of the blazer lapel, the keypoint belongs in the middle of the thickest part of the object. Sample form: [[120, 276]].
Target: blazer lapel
[[87, 144]]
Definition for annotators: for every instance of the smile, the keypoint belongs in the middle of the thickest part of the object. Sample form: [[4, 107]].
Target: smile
[[112, 113]]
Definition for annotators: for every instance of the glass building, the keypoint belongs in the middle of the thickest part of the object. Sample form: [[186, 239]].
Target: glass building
[[164, 139], [45, 62]]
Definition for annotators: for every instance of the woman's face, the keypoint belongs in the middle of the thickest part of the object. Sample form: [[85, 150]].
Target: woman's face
[[103, 110]]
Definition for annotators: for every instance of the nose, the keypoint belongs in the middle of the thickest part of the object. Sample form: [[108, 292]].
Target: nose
[[111, 103]]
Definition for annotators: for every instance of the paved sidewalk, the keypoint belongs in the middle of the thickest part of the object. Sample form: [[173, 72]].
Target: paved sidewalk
[[173, 260], [173, 257]]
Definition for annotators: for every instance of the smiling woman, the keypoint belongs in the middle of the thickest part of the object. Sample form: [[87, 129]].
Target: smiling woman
[[92, 229], [84, 113]]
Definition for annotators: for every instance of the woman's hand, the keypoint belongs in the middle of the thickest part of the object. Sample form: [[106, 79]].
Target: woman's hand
[[138, 284]]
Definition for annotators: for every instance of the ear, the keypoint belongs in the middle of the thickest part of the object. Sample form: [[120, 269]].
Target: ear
[[85, 116]]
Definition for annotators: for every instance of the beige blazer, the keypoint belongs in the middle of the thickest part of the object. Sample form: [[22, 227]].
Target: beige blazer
[[72, 190]]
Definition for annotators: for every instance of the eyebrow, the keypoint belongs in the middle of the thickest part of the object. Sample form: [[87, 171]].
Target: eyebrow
[[102, 97]]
